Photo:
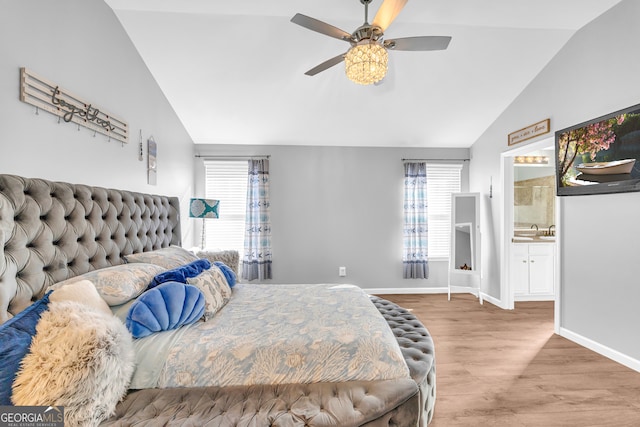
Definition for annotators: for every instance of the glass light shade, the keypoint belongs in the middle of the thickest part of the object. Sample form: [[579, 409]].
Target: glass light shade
[[531, 160], [366, 63]]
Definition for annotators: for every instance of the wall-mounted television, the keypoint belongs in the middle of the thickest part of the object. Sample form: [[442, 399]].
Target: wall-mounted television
[[600, 156]]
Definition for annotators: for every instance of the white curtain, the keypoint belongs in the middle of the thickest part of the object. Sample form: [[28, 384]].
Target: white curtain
[[256, 262], [414, 257]]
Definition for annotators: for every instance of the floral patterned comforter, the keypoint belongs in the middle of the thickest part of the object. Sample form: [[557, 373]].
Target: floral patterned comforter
[[279, 334]]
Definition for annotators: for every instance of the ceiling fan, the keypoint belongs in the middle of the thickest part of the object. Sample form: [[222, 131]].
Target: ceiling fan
[[366, 60]]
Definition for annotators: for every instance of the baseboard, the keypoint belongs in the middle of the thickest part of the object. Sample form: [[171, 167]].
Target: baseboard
[[492, 300], [384, 291], [610, 353], [533, 297]]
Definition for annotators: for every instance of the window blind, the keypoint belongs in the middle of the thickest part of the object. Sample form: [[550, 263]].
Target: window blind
[[442, 180], [226, 180]]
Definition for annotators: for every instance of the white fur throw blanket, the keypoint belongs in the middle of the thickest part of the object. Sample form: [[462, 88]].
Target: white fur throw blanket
[[81, 359]]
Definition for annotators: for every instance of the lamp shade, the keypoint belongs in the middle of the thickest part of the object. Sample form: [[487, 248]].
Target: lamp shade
[[203, 208]]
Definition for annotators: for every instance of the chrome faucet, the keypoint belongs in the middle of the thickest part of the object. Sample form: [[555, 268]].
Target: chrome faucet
[[551, 232], [534, 225]]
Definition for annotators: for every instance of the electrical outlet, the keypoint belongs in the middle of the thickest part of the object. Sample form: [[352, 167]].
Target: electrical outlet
[[342, 271]]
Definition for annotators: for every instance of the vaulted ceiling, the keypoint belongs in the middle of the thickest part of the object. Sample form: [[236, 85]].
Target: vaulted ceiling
[[234, 70]]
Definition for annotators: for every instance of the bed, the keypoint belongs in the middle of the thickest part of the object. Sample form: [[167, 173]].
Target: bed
[[65, 237]]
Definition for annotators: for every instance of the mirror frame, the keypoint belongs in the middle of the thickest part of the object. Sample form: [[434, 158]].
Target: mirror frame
[[475, 232], [470, 278]]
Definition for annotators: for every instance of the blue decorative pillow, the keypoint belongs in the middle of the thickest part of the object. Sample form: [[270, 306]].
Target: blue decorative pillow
[[15, 340], [227, 271], [181, 274], [167, 306]]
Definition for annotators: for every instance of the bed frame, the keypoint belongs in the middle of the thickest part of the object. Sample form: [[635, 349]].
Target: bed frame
[[52, 231]]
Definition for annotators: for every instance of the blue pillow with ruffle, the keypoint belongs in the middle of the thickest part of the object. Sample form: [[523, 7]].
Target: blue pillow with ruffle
[[227, 271], [165, 307], [182, 273]]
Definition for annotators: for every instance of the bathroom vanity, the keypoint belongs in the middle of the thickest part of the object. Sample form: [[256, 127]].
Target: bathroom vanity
[[532, 269]]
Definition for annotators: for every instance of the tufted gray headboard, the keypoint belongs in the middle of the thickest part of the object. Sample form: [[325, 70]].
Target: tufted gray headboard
[[51, 231]]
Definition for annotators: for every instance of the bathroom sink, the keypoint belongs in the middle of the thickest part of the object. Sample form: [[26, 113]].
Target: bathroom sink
[[547, 237], [522, 238], [525, 232]]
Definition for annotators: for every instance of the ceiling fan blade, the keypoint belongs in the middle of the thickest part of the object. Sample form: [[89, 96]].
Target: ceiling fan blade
[[325, 65], [320, 27], [387, 13], [418, 43]]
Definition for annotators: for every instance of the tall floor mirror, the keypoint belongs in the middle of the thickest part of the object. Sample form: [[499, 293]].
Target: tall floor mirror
[[464, 259]]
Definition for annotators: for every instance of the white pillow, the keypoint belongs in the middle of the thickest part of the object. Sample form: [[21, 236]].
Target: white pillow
[[83, 292], [120, 283]]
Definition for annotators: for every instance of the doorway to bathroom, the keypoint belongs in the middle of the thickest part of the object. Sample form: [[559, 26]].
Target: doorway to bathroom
[[530, 238]]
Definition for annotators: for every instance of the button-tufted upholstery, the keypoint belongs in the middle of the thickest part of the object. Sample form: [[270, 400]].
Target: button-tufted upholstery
[[393, 403], [322, 404], [417, 348], [51, 231]]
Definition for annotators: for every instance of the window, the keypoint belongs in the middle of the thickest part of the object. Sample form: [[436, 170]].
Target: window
[[226, 180], [442, 180]]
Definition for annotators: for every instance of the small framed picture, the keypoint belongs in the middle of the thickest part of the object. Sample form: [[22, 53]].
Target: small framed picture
[[152, 150]]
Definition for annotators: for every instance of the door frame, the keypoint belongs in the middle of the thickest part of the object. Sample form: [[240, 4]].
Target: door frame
[[507, 176]]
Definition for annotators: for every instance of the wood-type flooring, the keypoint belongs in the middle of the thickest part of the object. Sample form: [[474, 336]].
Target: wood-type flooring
[[507, 368]]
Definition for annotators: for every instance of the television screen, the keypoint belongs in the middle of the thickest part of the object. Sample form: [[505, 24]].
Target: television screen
[[600, 156]]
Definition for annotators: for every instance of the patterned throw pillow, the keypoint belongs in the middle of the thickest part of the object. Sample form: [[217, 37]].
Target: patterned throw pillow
[[171, 257], [120, 283], [215, 289]]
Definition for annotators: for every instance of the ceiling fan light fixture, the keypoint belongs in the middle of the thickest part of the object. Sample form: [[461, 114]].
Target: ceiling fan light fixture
[[366, 62]]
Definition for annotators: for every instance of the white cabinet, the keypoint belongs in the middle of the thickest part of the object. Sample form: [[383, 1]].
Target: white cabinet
[[532, 271]]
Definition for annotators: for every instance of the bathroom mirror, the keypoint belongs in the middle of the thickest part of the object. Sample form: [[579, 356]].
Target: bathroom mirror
[[464, 259], [534, 192]]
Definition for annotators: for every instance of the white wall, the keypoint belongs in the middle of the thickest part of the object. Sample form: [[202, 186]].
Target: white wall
[[594, 74], [340, 206], [80, 45]]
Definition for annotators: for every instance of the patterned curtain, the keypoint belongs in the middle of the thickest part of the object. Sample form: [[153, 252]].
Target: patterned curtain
[[414, 256], [256, 263]]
